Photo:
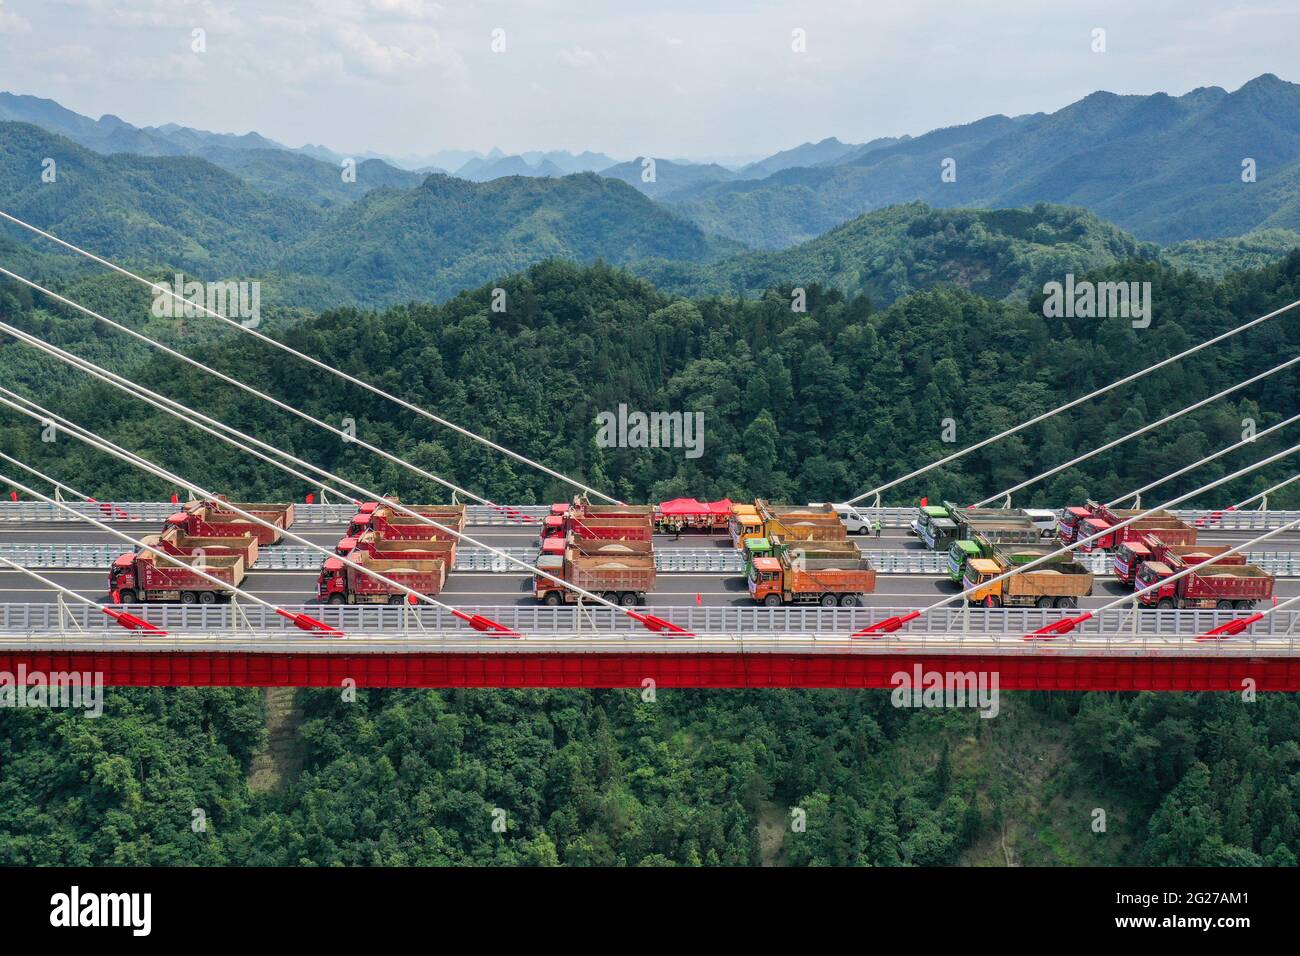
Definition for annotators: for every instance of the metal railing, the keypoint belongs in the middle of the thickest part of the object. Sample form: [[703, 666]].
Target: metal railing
[[889, 517], [740, 621]]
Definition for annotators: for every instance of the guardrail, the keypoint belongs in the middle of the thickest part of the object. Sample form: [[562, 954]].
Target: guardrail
[[540, 619], [889, 517], [1283, 564], [157, 511]]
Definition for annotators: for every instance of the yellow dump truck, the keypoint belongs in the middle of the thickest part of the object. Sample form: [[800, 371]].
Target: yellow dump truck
[[1050, 585]]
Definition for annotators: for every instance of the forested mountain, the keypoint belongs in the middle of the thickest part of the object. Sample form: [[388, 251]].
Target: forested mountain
[[828, 150], [903, 249], [449, 234], [279, 172], [177, 211], [1164, 168], [670, 178], [797, 406]]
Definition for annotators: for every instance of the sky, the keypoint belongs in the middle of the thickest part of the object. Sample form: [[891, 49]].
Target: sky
[[724, 80]]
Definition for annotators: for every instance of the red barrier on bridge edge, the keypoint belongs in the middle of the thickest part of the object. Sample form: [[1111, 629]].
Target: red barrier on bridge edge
[[198, 669]]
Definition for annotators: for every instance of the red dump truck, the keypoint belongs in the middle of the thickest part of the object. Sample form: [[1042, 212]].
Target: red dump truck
[[1171, 529], [599, 521], [396, 525], [621, 571], [1131, 555], [415, 549], [173, 541], [794, 578], [340, 583], [1220, 586], [145, 576], [214, 519]]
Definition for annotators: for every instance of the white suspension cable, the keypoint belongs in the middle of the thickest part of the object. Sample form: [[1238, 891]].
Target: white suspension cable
[[243, 440], [893, 623], [1137, 493], [1265, 493], [207, 576], [1073, 402], [230, 380], [1007, 493], [323, 366], [95, 441], [46, 478]]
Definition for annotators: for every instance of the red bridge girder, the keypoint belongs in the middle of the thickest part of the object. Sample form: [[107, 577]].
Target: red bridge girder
[[212, 669]]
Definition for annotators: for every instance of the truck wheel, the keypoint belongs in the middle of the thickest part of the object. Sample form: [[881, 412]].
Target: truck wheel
[[992, 601], [1245, 605], [1066, 602], [335, 599], [188, 597], [849, 600], [1044, 602], [1166, 604], [772, 600], [1224, 605], [829, 600], [627, 599], [552, 599], [396, 598], [611, 597], [126, 597], [207, 597]]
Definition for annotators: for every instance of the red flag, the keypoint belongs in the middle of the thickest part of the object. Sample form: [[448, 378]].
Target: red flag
[[13, 496], [311, 498], [176, 499], [925, 502]]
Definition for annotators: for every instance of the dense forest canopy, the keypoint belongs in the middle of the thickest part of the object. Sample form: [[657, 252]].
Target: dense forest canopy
[[798, 406]]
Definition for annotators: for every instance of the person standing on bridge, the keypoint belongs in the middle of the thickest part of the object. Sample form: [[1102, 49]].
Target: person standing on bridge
[[877, 529]]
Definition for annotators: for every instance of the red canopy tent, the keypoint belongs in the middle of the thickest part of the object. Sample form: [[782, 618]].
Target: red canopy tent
[[695, 513]]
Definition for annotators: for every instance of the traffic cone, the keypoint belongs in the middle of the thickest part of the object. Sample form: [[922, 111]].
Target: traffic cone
[[699, 598]]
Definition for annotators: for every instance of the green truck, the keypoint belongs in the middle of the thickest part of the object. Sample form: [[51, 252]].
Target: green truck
[[960, 552], [998, 525]]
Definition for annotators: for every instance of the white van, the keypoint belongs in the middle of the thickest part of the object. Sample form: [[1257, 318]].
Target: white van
[[1044, 520], [855, 522]]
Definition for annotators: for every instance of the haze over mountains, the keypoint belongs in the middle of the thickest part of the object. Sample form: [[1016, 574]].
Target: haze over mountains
[[860, 217]]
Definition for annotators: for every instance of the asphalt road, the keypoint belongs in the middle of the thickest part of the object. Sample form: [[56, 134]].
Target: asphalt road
[[485, 588]]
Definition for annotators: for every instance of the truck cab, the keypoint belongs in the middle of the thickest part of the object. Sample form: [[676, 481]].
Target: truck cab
[[743, 527], [765, 582], [1068, 524], [1129, 557], [924, 515], [1150, 573], [553, 526], [332, 582], [959, 553], [121, 577], [979, 571], [359, 524]]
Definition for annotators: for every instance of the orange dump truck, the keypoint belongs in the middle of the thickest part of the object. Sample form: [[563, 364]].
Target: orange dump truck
[[795, 578], [214, 519], [145, 576], [340, 583], [801, 523]]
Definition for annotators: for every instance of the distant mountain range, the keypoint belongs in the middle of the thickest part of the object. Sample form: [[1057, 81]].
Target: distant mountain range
[[1165, 168]]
